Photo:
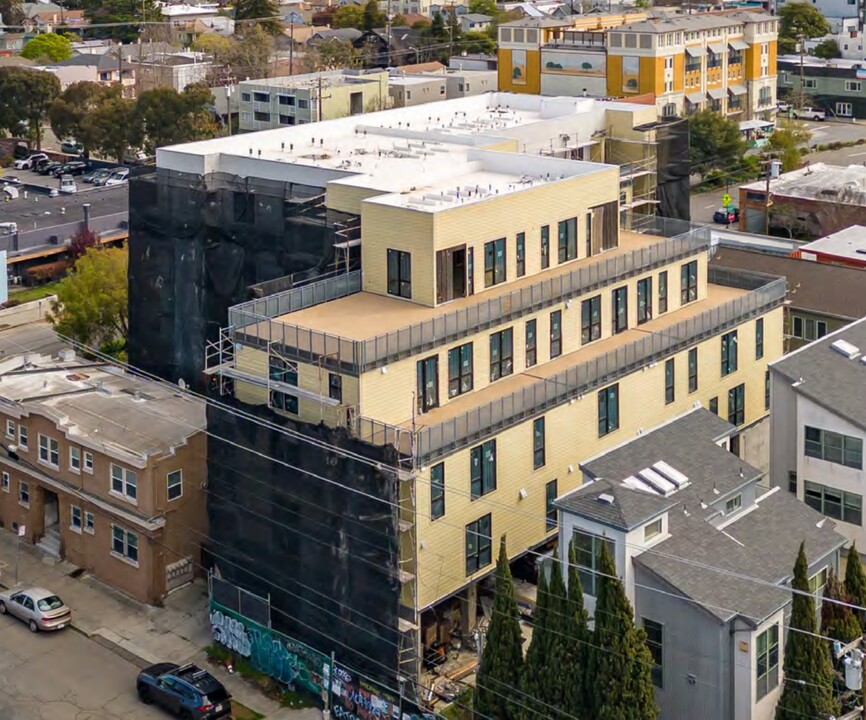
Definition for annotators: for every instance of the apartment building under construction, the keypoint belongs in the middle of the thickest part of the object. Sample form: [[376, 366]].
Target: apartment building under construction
[[512, 316]]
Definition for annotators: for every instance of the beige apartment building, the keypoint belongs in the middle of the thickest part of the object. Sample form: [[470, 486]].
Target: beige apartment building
[[103, 470], [503, 327]]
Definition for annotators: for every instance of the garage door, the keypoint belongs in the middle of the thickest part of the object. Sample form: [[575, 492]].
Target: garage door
[[755, 221]]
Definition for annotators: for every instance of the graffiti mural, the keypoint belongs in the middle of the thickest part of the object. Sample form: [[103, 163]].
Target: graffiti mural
[[354, 698], [289, 661]]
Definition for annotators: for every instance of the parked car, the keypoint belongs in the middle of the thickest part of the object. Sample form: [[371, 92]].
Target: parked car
[[28, 162], [8, 228], [71, 147], [41, 609], [726, 216], [117, 177], [76, 167], [94, 175], [49, 168], [41, 163], [67, 184], [810, 113], [187, 691], [783, 107]]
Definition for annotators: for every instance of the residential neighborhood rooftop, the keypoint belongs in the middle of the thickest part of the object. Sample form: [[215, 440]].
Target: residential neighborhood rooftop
[[328, 78], [819, 181], [847, 244]]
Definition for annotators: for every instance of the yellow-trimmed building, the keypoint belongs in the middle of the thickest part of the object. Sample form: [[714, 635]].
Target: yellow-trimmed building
[[508, 321]]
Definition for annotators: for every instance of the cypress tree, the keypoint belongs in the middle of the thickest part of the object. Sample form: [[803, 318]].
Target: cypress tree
[[502, 659], [535, 667], [575, 700], [619, 669], [808, 687], [838, 620], [560, 641], [855, 582]]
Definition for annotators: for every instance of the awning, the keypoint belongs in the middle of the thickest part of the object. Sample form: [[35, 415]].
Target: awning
[[739, 45], [755, 124], [695, 98], [716, 93], [737, 89], [696, 50], [717, 48]]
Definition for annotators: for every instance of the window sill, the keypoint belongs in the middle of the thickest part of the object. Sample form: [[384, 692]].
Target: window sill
[[123, 558], [89, 471], [23, 448], [172, 499], [48, 464], [77, 471], [125, 498], [24, 504], [75, 529], [89, 531]]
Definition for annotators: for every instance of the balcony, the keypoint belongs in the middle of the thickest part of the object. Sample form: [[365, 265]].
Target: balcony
[[391, 329]]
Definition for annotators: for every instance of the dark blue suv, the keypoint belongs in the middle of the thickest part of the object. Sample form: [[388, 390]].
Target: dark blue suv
[[187, 691]]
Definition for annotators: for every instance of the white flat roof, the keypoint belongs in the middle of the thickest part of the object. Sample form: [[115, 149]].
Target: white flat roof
[[849, 243]]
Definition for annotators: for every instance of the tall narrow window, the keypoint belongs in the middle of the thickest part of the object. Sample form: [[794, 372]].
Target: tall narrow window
[[567, 240], [521, 254], [693, 370], [759, 338], [479, 544], [428, 383], [669, 381], [663, 292], [460, 370], [608, 410], [689, 282], [737, 405], [501, 349], [620, 310], [399, 273], [767, 665], [714, 405], [555, 334], [531, 344], [437, 491], [655, 642], [545, 247], [494, 262], [729, 353], [482, 469], [538, 443], [644, 300], [335, 387], [470, 270], [767, 390], [590, 319], [588, 558], [551, 516]]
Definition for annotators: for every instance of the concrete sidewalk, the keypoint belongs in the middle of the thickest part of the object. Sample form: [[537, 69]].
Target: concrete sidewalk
[[177, 632]]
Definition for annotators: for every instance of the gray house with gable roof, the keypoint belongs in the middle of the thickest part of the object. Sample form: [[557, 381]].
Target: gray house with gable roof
[[705, 551]]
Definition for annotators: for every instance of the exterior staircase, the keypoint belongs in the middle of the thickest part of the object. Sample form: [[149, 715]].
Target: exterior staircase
[[50, 542]]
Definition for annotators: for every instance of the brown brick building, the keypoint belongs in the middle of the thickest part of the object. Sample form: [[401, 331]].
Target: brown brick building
[[103, 469]]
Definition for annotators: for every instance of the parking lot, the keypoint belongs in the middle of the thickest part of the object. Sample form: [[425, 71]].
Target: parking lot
[[37, 180]]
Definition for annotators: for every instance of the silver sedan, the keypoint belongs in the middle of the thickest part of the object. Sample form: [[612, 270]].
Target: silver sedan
[[41, 609]]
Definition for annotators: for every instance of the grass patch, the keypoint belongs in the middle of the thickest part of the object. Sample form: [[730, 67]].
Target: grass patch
[[296, 700], [461, 708], [34, 293], [242, 712]]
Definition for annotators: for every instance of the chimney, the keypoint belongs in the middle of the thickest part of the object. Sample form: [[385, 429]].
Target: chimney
[[86, 208]]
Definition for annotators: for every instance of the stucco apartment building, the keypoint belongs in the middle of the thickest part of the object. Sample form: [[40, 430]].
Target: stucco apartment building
[[103, 470], [498, 302], [722, 61]]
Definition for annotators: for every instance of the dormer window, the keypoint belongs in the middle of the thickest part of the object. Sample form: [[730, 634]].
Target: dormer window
[[733, 504], [652, 530]]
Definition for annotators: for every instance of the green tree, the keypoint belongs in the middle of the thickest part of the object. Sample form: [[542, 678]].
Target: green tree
[[399, 20], [349, 16], [533, 678], [167, 117], [485, 7], [619, 667], [477, 42], [808, 687], [11, 12], [715, 142], [438, 30], [247, 57], [119, 19], [71, 108], [828, 49], [561, 639], [373, 16], [330, 55], [786, 143], [264, 12], [112, 128], [26, 96], [800, 19], [48, 45], [502, 659], [578, 630], [91, 303], [855, 582], [837, 619]]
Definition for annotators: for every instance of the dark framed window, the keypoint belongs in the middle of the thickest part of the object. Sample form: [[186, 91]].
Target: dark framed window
[[521, 254], [834, 503], [588, 557], [551, 514], [714, 405], [482, 469], [470, 270], [460, 370], [555, 334], [729, 353], [501, 354], [437, 491], [759, 338], [820, 328], [655, 643], [663, 292], [479, 544], [494, 262], [282, 370], [669, 381], [590, 319], [538, 443], [797, 327], [531, 343], [620, 310], [693, 370], [335, 387], [767, 666], [792, 482], [644, 300], [545, 247], [284, 401], [689, 282], [567, 240], [767, 390], [428, 383], [737, 405], [608, 410], [399, 273], [834, 447]]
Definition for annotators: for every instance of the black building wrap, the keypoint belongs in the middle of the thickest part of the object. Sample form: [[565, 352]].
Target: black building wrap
[[673, 169]]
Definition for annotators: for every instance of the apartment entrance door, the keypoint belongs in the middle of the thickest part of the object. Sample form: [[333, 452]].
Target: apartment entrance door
[[52, 510], [450, 274]]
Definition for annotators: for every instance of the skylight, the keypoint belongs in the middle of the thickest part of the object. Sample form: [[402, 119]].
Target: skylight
[[843, 347]]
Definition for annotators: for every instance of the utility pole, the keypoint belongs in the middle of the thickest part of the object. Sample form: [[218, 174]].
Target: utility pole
[[292, 45], [388, 35], [802, 71], [319, 98], [767, 201]]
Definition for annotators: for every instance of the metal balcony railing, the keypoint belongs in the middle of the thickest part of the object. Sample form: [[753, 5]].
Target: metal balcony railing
[[356, 356]]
